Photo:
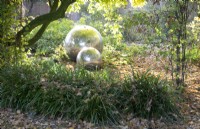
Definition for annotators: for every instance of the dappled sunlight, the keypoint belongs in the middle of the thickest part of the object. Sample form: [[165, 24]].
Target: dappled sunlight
[[138, 3]]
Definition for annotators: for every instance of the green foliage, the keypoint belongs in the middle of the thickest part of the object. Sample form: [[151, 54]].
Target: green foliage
[[105, 20], [47, 88], [147, 96], [138, 26], [97, 108], [9, 22], [194, 31], [52, 37], [193, 55], [138, 3], [121, 54]]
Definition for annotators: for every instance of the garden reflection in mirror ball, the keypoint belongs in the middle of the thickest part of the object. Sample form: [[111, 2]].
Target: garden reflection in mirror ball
[[82, 36], [84, 45], [89, 57]]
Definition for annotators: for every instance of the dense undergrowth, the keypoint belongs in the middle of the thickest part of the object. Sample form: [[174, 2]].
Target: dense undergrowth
[[102, 97]]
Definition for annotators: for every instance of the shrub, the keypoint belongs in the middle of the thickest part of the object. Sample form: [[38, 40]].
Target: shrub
[[193, 55], [19, 85], [97, 108], [121, 54], [147, 96]]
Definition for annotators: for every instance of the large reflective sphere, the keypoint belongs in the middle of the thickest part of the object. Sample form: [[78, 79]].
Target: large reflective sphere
[[89, 57], [82, 36]]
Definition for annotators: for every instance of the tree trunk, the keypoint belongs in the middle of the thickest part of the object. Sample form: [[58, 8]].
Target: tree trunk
[[182, 17], [178, 60]]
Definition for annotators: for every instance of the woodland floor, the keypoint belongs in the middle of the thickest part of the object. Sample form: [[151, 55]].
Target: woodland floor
[[190, 107]]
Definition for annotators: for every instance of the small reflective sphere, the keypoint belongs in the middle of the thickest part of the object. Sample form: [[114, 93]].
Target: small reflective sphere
[[90, 58], [82, 36]]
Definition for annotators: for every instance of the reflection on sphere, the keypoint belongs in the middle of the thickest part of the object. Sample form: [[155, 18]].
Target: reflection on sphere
[[82, 36], [89, 57]]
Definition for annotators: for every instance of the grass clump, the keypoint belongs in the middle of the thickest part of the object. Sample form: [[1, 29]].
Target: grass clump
[[146, 95], [53, 91], [100, 97]]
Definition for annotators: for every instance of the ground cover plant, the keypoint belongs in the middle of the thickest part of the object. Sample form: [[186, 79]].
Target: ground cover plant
[[100, 97]]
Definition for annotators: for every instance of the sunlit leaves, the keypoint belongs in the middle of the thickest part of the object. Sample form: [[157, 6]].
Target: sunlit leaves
[[75, 6], [138, 3], [9, 24], [133, 2]]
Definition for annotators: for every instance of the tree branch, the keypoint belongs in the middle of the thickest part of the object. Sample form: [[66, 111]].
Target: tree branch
[[44, 19], [38, 35], [50, 4]]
